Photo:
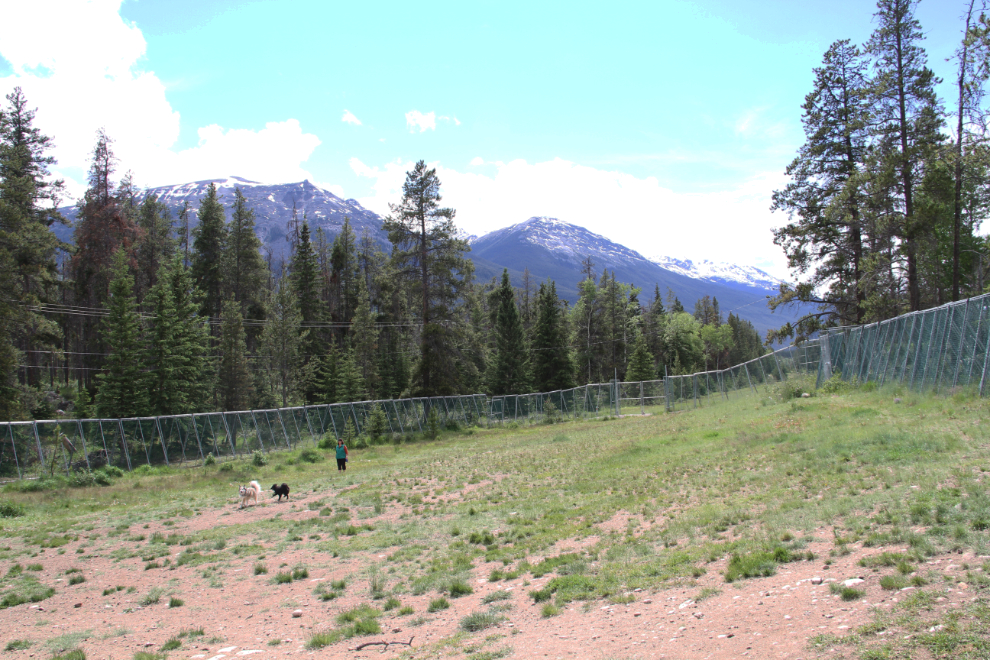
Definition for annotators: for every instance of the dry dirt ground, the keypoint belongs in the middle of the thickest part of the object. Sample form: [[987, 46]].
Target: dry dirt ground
[[250, 616]]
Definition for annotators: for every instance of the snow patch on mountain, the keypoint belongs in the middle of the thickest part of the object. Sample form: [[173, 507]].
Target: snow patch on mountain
[[724, 273], [566, 241]]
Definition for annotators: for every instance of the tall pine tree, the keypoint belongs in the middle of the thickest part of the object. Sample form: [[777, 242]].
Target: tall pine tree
[[122, 386], [553, 368], [508, 372], [235, 386], [209, 245]]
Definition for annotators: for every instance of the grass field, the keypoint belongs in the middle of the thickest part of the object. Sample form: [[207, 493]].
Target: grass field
[[601, 507]]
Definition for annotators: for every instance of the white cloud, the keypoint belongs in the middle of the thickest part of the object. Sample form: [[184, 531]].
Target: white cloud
[[730, 225], [84, 71], [477, 160], [349, 118], [425, 122]]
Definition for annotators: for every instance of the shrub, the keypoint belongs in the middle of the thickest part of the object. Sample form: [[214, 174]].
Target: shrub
[[258, 459], [209, 460], [310, 455], [377, 423], [551, 414], [438, 604], [433, 423], [11, 510], [174, 602]]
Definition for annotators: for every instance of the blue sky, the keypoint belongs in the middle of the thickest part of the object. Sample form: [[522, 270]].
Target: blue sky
[[663, 125]]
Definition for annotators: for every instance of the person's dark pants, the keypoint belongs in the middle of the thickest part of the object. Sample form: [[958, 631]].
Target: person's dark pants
[[341, 463]]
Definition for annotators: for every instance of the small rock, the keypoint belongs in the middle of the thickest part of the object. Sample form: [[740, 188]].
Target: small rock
[[296, 614], [78, 605], [897, 399], [816, 580], [638, 589], [637, 614], [647, 601], [146, 644], [396, 630], [852, 582], [805, 395], [698, 615]]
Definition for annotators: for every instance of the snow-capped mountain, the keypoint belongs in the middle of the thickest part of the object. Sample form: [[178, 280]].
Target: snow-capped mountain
[[722, 272], [566, 242], [273, 205]]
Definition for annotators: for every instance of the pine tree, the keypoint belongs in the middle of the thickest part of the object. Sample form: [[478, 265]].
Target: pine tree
[[280, 343], [349, 384], [234, 379], [304, 280], [156, 245], [28, 268], [429, 258], [364, 341], [325, 376], [165, 360], [244, 269], [825, 198], [907, 118], [509, 369], [640, 365], [345, 274], [191, 339], [588, 329], [122, 391], [553, 368], [209, 245]]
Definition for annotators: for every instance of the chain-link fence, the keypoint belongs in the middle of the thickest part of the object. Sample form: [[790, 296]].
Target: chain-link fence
[[31, 449], [710, 387], [937, 349]]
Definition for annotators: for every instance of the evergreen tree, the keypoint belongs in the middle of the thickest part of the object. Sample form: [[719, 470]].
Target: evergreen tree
[[509, 369], [640, 365], [906, 116], [234, 379], [122, 391], [244, 269], [349, 385], [325, 376], [588, 328], [190, 333], [553, 368], [156, 245], [344, 275], [28, 269], [209, 245], [165, 359], [280, 343], [825, 198], [746, 342], [364, 341], [304, 281], [429, 258]]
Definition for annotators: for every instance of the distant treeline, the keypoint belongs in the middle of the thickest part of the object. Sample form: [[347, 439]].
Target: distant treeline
[[142, 316]]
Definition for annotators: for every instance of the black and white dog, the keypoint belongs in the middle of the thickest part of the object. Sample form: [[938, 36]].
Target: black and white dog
[[280, 491]]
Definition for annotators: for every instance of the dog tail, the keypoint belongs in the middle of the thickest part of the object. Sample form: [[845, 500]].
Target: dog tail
[[256, 486]]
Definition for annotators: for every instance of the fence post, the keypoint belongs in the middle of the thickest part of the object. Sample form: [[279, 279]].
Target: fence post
[[161, 439], [123, 443], [13, 447], [986, 357], [955, 375], [82, 437], [748, 379]]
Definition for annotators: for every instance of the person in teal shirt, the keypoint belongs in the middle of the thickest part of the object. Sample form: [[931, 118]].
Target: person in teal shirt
[[341, 455]]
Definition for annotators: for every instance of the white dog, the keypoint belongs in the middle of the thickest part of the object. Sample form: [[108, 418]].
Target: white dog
[[250, 492]]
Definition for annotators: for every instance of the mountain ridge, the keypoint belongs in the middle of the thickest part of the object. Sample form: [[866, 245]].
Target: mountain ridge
[[547, 247]]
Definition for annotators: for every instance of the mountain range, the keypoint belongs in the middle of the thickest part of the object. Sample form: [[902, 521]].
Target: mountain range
[[548, 247]]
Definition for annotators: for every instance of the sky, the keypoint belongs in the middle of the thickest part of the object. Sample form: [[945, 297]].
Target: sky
[[663, 125]]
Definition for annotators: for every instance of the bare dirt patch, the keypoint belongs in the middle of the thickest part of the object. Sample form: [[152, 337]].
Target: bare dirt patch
[[245, 614]]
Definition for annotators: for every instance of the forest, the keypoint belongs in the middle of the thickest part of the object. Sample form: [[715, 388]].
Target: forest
[[144, 316], [888, 192]]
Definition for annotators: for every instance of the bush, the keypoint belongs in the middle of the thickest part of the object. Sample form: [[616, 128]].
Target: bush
[[459, 588], [327, 442], [433, 423], [11, 510], [376, 423], [310, 455], [438, 604], [551, 414], [258, 459], [209, 460]]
